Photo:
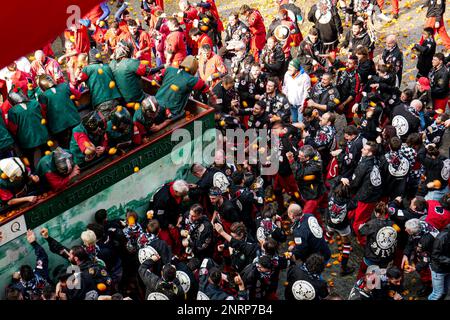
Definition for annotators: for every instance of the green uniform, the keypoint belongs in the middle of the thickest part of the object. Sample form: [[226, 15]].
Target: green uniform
[[99, 83], [62, 113], [34, 93], [175, 90], [6, 141], [78, 155], [128, 82], [115, 137], [27, 118]]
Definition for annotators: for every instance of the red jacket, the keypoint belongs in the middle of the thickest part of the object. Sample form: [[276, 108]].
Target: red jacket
[[437, 216], [175, 45], [257, 29]]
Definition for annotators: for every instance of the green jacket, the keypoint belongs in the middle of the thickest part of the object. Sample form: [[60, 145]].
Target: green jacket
[[99, 83], [27, 119], [127, 81], [6, 141], [62, 113], [175, 90]]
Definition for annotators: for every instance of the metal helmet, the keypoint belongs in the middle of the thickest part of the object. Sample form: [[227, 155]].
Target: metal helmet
[[150, 107], [95, 56], [63, 161], [123, 50], [281, 32], [121, 119], [45, 82], [190, 64], [16, 96], [94, 121]]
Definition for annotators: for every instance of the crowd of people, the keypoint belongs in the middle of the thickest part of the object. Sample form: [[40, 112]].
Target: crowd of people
[[360, 153]]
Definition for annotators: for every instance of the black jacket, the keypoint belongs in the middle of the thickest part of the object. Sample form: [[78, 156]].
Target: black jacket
[[201, 238], [304, 285], [274, 61], [367, 181], [278, 105], [243, 254], [352, 42], [212, 291], [394, 57], [206, 182], [154, 283], [439, 81], [248, 88], [224, 98], [349, 157], [330, 26], [325, 96], [308, 238], [91, 274], [365, 69], [246, 201], [229, 212], [258, 122], [259, 287], [309, 178], [440, 257], [435, 169], [309, 52], [285, 146], [426, 53], [405, 121], [348, 82], [381, 241], [420, 246], [395, 169], [337, 212], [165, 207], [399, 214]]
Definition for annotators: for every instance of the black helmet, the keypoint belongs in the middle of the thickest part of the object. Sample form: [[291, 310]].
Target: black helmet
[[95, 56], [63, 161], [94, 121], [150, 107], [121, 119], [45, 82], [16, 96]]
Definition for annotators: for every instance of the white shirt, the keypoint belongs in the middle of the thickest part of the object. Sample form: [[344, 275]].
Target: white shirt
[[296, 89]]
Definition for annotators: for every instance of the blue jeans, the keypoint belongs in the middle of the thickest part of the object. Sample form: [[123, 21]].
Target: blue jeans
[[441, 284], [295, 115]]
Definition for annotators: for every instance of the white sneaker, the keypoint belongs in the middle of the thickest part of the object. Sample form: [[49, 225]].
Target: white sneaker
[[383, 17]]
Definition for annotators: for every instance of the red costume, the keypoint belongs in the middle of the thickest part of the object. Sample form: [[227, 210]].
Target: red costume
[[144, 41], [258, 31], [176, 46]]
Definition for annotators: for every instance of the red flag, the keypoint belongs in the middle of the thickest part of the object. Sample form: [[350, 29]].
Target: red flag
[[332, 170], [28, 25]]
